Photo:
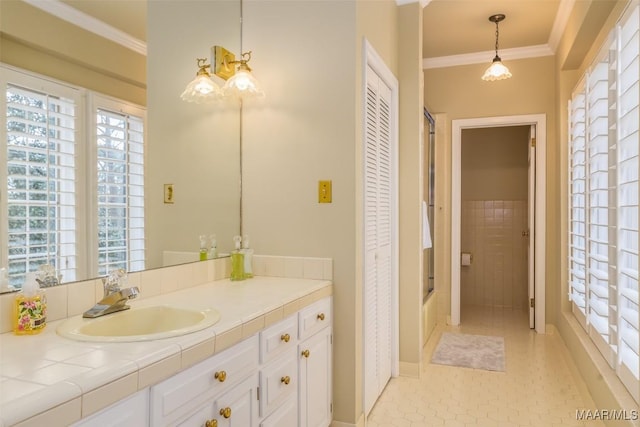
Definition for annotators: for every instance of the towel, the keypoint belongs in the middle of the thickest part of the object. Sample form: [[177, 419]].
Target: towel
[[426, 231]]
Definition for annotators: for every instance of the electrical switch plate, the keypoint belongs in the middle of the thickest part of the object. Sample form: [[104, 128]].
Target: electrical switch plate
[[324, 191], [168, 193]]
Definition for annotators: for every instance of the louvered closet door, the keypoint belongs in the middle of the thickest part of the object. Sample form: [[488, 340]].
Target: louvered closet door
[[378, 198]]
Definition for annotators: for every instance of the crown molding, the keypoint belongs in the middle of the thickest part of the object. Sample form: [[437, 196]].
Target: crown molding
[[560, 23], [423, 3], [487, 56], [89, 23]]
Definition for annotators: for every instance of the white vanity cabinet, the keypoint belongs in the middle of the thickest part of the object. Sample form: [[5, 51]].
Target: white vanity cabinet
[[315, 365], [280, 377]]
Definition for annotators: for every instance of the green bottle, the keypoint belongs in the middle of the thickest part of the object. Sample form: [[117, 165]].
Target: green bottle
[[237, 261]]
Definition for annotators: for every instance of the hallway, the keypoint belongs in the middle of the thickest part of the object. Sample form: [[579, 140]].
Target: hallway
[[537, 388]]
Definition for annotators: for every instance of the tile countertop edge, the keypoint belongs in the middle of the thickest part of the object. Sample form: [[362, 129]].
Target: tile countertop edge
[[297, 294]]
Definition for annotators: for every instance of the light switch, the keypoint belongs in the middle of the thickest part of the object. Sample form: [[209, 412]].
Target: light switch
[[324, 191], [168, 193]]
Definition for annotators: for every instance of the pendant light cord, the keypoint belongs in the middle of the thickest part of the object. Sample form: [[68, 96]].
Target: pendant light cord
[[497, 34]]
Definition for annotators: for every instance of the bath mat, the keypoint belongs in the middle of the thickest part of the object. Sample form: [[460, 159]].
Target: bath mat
[[470, 351]]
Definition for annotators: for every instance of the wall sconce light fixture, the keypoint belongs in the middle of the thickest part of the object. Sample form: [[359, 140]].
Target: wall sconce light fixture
[[202, 89], [240, 83], [497, 70]]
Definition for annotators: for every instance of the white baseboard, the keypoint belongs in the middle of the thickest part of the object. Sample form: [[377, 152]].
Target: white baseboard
[[410, 369], [360, 423]]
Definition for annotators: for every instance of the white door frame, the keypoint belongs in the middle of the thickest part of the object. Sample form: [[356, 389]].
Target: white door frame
[[540, 121]]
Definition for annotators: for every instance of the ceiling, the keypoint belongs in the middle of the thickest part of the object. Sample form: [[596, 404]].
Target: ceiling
[[454, 30], [454, 27]]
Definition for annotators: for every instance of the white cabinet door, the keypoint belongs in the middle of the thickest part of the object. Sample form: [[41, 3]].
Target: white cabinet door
[[236, 408], [285, 416], [315, 380]]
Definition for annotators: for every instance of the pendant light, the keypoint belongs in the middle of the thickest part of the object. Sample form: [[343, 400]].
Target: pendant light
[[497, 70]]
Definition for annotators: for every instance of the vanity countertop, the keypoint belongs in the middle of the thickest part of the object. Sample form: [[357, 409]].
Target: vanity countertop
[[39, 373]]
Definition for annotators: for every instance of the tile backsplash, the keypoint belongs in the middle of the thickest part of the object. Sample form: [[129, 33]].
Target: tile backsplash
[[77, 297]]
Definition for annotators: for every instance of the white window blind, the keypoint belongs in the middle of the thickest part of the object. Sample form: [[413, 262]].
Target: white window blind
[[599, 178], [577, 202], [120, 191], [604, 160], [41, 181], [628, 165]]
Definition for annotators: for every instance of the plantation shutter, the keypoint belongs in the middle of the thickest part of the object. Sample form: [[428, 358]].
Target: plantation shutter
[[577, 204], [120, 191], [41, 179], [628, 165], [601, 214]]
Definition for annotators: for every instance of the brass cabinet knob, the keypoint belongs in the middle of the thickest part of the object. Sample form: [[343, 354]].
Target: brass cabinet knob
[[225, 412], [285, 380], [211, 423], [285, 337], [220, 376], [305, 353], [321, 316]]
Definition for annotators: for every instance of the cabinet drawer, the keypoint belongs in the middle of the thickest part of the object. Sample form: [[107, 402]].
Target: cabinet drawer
[[314, 317], [278, 338], [237, 407], [278, 380], [176, 396]]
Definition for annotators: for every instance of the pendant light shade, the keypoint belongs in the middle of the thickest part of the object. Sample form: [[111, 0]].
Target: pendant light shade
[[497, 70]]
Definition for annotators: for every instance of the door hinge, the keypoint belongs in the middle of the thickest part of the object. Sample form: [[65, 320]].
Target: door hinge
[[533, 142], [532, 302], [331, 408]]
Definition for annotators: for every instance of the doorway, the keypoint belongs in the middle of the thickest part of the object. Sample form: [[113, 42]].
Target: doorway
[[537, 238]]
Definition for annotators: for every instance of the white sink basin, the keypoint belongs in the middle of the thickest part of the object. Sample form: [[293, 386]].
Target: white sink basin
[[139, 324]]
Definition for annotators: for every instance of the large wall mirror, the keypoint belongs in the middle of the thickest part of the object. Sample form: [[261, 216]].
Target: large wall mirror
[[194, 148]]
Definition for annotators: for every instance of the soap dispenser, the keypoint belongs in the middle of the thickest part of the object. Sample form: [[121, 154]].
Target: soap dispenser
[[204, 249], [247, 252], [29, 308], [237, 261]]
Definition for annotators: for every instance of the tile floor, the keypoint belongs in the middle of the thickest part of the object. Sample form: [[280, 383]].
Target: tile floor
[[537, 388]]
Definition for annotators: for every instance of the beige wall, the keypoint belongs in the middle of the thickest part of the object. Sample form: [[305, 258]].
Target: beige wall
[[34, 40], [309, 56], [411, 187]]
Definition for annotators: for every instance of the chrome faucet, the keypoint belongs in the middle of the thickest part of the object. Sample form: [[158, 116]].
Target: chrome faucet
[[115, 297]]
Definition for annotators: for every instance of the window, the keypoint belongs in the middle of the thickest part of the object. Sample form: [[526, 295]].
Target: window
[[603, 201], [120, 189], [69, 172]]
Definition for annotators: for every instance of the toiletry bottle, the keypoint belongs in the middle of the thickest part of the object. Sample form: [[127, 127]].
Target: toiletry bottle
[[213, 247], [248, 257], [203, 247], [237, 261], [29, 308]]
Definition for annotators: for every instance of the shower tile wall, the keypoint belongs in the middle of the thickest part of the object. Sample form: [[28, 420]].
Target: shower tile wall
[[492, 232]]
